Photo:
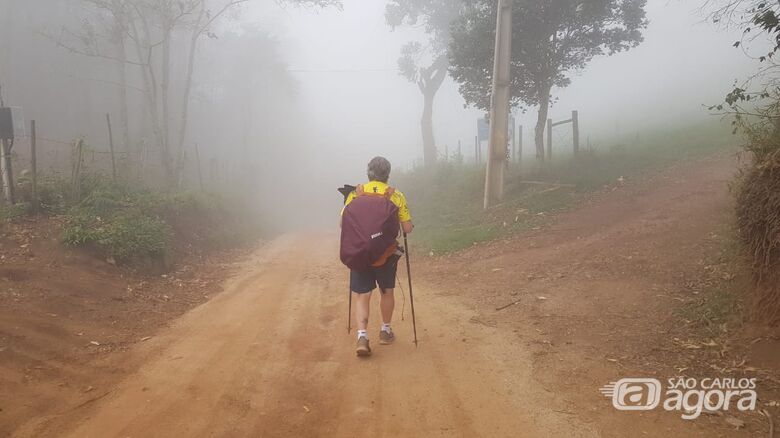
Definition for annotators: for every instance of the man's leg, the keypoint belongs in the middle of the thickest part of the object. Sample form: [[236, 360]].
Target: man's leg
[[386, 282], [387, 305], [362, 307], [361, 284]]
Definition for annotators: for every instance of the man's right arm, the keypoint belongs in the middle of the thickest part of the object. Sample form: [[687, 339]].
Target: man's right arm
[[407, 227]]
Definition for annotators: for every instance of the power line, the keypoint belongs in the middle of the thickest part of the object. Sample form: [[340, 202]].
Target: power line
[[50, 140], [363, 70]]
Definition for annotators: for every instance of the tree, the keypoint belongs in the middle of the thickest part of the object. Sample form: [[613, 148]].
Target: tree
[[425, 64], [550, 39], [157, 31], [758, 95], [108, 21]]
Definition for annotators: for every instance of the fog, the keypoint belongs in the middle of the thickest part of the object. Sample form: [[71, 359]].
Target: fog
[[683, 64], [289, 102]]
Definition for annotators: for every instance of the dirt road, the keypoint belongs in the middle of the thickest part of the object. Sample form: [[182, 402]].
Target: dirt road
[[271, 357]]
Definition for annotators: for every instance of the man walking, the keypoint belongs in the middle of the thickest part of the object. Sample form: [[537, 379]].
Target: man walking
[[370, 222]]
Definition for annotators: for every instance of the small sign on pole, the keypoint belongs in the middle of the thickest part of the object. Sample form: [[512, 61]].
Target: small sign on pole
[[483, 129]]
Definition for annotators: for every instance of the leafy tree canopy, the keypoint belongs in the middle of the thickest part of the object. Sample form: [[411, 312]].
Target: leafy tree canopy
[[550, 39], [425, 63], [435, 16], [757, 19]]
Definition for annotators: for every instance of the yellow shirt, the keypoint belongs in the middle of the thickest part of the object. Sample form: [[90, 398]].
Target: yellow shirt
[[398, 199]]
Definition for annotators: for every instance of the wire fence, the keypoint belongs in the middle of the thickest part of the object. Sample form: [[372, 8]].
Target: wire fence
[[563, 138], [55, 158]]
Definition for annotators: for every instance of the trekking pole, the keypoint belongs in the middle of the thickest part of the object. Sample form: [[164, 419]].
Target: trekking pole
[[349, 315], [411, 295]]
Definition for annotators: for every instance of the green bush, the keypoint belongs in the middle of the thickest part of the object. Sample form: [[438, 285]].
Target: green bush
[[131, 235], [124, 236], [116, 220], [81, 230], [126, 222], [104, 201]]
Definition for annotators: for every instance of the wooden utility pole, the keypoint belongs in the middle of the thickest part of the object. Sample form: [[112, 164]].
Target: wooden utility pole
[[499, 107], [34, 165], [575, 127], [111, 146]]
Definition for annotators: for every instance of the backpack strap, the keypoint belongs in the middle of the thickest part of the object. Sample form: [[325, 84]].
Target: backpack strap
[[360, 191]]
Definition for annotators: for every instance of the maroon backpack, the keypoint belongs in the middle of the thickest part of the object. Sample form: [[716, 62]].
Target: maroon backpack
[[369, 227]]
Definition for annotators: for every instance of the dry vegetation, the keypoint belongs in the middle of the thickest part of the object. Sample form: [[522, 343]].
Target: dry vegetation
[[758, 212]]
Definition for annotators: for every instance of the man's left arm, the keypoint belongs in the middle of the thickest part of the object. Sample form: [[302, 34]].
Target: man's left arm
[[404, 216]]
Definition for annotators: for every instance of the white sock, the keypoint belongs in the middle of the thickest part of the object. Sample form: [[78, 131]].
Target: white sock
[[362, 333], [386, 328]]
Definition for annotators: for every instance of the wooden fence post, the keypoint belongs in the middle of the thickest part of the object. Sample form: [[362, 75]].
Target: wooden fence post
[[549, 138], [78, 156], [181, 167], [144, 150], [476, 149], [7, 171], [214, 172], [575, 127], [111, 146], [34, 166], [200, 171], [520, 144]]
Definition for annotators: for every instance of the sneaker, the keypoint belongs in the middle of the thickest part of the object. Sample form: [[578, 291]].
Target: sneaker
[[362, 347], [386, 338]]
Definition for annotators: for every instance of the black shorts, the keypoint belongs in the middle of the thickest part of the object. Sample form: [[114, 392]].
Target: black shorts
[[365, 281]]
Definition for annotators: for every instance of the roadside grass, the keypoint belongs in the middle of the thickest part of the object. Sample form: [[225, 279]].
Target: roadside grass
[[446, 201]]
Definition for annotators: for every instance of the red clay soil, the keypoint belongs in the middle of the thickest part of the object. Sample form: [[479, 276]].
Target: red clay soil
[[612, 289], [68, 319], [597, 295]]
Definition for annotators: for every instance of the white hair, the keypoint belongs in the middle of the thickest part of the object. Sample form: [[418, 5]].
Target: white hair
[[379, 169]]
